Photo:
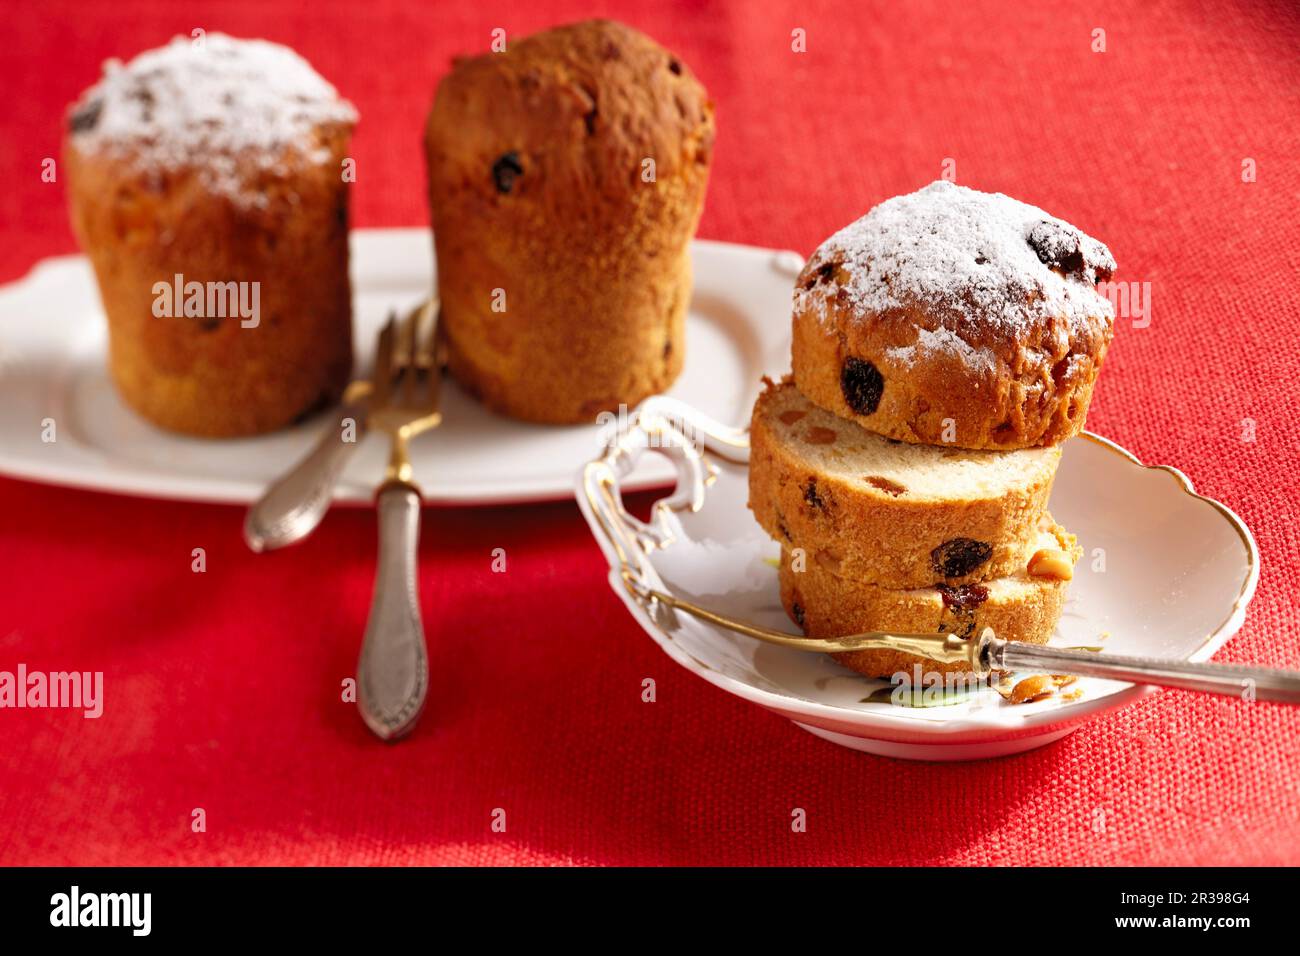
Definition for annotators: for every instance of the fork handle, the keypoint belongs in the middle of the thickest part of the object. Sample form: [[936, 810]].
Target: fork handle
[[393, 672], [1255, 683], [293, 506]]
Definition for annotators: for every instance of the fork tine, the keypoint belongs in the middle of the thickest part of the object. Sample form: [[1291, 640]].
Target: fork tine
[[430, 318], [433, 347], [410, 372], [384, 362]]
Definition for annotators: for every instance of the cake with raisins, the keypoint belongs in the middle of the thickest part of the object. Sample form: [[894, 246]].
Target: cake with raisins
[[955, 317], [885, 512], [566, 178], [944, 346], [1023, 605], [206, 188]]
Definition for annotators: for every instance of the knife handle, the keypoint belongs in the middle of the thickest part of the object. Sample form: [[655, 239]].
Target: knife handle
[[1251, 683], [393, 671], [292, 507]]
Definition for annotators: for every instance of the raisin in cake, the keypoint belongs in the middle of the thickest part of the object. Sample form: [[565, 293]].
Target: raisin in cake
[[1023, 605], [885, 512], [566, 179], [950, 316], [214, 169]]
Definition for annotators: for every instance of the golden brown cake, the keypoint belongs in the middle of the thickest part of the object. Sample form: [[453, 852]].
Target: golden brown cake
[[950, 316], [207, 189], [566, 179], [886, 512], [1022, 606]]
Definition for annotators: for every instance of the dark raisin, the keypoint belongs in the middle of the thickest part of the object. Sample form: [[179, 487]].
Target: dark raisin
[[958, 557], [862, 385], [811, 495], [962, 597], [505, 171], [885, 485], [823, 273], [85, 119], [1070, 252], [1056, 246], [1101, 264], [674, 67], [796, 611]]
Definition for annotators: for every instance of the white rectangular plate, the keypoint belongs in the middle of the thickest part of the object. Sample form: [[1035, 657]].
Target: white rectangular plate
[[53, 367]]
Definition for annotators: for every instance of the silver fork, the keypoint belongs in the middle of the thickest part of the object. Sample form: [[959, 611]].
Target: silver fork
[[293, 505], [393, 670]]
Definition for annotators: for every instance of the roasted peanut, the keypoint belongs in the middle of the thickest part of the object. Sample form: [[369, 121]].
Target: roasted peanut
[[1038, 687], [1051, 563]]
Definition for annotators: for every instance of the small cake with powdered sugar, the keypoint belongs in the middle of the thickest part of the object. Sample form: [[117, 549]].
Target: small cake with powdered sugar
[[945, 345], [207, 188], [955, 317]]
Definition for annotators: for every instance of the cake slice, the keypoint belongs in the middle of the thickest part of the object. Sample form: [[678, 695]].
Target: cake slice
[[1022, 606], [888, 513]]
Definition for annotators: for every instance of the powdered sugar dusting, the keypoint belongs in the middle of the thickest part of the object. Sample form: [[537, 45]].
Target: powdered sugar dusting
[[969, 256], [941, 341], [204, 104]]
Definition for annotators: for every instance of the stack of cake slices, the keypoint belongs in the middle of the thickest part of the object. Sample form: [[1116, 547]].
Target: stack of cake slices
[[945, 345]]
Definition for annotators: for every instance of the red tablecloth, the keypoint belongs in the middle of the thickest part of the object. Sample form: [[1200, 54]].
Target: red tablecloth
[[223, 687]]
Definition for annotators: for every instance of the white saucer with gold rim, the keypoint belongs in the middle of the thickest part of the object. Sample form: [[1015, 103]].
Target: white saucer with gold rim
[[1166, 573]]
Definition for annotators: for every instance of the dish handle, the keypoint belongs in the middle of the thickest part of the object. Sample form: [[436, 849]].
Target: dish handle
[[686, 437]]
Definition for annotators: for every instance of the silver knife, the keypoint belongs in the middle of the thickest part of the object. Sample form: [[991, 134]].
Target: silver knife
[[292, 507]]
